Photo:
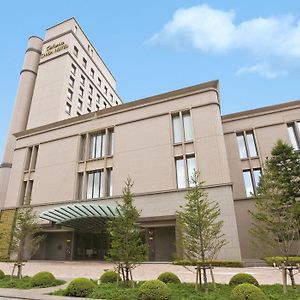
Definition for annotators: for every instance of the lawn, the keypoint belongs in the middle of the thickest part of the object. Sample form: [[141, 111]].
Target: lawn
[[184, 291], [24, 283]]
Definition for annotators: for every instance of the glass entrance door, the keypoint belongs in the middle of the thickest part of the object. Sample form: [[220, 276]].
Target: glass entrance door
[[90, 246]]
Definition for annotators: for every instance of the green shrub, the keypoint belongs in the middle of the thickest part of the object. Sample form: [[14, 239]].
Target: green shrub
[[42, 279], [154, 290], [242, 278], [2, 275], [79, 287], [278, 260], [109, 277], [247, 291], [216, 263], [169, 277]]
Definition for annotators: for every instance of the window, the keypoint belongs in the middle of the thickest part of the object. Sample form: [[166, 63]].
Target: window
[[182, 127], [91, 90], [99, 81], [185, 168], [111, 97], [82, 147], [34, 157], [98, 98], [88, 110], [117, 103], [73, 69], [109, 182], [75, 51], [81, 91], [246, 144], [111, 135], [97, 144], [82, 79], [31, 158], [92, 73], [79, 104], [92, 52], [187, 126], [68, 108], [251, 181], [84, 62], [75, 29], [28, 158], [104, 104], [97, 107], [70, 94], [292, 129], [94, 184], [105, 90], [71, 81], [90, 101], [180, 173], [177, 136], [78, 114], [79, 185]]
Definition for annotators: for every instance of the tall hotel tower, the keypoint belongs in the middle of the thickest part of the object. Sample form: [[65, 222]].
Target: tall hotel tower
[[63, 76]]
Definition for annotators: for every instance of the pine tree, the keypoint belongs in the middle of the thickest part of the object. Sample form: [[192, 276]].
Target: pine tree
[[201, 229], [127, 248], [26, 236], [277, 211]]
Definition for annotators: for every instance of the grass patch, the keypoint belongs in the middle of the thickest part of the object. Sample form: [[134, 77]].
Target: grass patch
[[184, 291], [24, 283], [216, 263]]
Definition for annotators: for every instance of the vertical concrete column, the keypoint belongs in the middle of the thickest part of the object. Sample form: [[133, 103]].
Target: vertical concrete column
[[21, 109]]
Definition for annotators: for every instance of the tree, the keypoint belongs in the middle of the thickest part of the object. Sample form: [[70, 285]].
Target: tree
[[201, 229], [26, 236], [277, 212], [127, 248]]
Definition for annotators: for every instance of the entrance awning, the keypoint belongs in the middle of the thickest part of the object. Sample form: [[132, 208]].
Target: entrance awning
[[86, 217]]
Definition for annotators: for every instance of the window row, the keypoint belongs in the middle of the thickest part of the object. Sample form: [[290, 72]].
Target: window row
[[92, 74], [182, 127], [185, 167], [100, 144], [98, 184], [248, 147], [31, 157]]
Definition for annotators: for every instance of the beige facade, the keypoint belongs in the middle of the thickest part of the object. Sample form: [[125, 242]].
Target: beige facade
[[65, 163]]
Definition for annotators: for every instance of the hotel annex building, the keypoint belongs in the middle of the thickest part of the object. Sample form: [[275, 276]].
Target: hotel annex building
[[72, 143]]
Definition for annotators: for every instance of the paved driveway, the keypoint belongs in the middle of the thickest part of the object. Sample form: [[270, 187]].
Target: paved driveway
[[69, 270]]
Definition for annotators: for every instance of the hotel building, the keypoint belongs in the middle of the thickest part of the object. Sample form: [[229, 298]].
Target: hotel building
[[72, 144]]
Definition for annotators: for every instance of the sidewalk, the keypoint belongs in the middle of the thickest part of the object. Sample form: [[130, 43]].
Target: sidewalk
[[69, 270]]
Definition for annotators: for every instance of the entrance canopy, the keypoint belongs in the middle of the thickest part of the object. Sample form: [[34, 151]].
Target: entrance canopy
[[85, 217]]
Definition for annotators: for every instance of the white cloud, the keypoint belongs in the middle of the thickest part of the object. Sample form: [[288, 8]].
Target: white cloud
[[208, 29], [263, 70]]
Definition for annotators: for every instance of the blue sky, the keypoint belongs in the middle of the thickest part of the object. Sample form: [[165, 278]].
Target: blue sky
[[252, 47]]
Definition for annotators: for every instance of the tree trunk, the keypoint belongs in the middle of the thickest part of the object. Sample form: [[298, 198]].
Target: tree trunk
[[205, 280], [291, 274], [126, 276]]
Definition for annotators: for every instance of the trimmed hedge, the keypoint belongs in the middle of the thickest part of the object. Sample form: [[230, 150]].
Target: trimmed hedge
[[169, 277], [79, 287], [154, 290], [243, 278], [109, 277], [42, 279], [278, 260], [2, 275], [216, 263], [247, 291]]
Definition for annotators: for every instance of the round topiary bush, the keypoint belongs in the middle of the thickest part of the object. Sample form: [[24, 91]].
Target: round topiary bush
[[109, 277], [169, 277], [42, 279], [79, 287], [243, 278], [2, 275], [247, 291], [154, 290]]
